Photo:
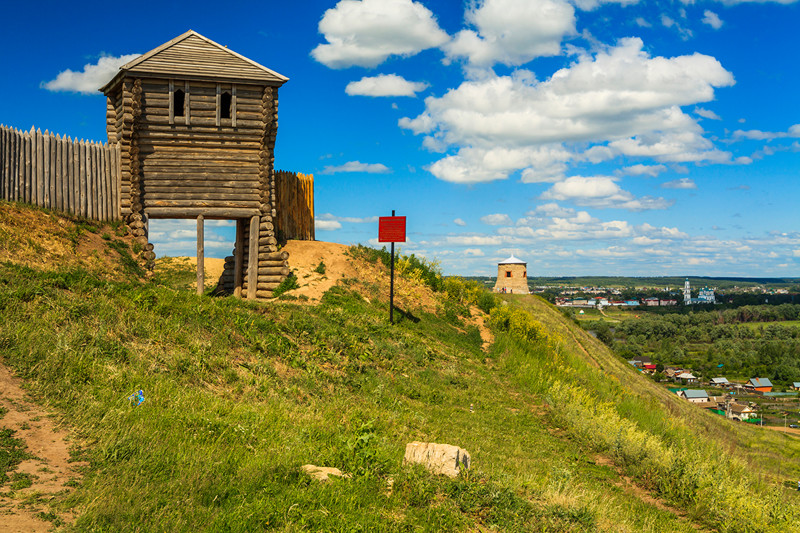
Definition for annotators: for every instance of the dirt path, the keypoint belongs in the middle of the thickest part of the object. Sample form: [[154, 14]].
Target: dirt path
[[50, 468], [629, 485], [478, 319], [788, 431]]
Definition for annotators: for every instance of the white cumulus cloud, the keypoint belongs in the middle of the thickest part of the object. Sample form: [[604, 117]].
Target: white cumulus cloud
[[366, 32], [620, 101], [357, 166], [91, 78], [588, 5], [682, 183], [327, 225], [385, 85], [601, 192], [512, 32], [459, 222], [707, 113], [644, 170], [497, 219], [712, 19]]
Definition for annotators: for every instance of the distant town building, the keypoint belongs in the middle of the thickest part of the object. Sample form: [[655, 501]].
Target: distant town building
[[694, 396], [759, 385], [741, 412], [720, 382], [512, 276], [706, 295]]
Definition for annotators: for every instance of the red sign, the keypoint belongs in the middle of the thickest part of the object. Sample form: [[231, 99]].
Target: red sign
[[392, 229]]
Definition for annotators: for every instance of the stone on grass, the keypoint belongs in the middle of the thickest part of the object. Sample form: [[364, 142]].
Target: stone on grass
[[321, 473], [438, 458]]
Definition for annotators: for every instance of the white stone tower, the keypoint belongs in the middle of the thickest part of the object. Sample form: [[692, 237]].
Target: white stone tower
[[512, 276], [687, 292]]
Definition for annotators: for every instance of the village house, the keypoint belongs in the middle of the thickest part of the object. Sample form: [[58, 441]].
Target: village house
[[694, 396], [758, 385], [795, 385], [687, 377], [740, 412], [719, 382]]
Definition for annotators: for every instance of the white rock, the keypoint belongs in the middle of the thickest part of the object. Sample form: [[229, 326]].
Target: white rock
[[438, 458], [321, 473]]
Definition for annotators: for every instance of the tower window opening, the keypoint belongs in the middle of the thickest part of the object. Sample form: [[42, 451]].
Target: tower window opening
[[178, 102], [225, 105], [508, 273]]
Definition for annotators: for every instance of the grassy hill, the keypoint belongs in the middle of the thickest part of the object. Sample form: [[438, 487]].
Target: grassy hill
[[564, 436]]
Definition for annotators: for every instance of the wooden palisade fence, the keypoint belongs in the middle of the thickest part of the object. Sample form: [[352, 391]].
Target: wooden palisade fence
[[295, 200], [77, 177]]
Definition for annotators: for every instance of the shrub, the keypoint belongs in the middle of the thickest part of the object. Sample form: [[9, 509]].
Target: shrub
[[288, 284], [517, 323]]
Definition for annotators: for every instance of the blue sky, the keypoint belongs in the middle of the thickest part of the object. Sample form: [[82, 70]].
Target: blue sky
[[606, 137]]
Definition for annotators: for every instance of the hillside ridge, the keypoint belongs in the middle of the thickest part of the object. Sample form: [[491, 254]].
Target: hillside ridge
[[564, 435]]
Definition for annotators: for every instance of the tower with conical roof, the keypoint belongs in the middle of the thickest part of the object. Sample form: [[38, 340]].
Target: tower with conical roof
[[512, 276]]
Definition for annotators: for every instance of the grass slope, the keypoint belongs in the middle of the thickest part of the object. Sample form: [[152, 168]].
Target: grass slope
[[239, 395]]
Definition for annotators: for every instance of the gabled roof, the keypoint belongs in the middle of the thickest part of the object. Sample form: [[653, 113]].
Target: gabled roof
[[694, 394], [193, 56], [760, 382], [686, 375], [719, 380], [512, 261]]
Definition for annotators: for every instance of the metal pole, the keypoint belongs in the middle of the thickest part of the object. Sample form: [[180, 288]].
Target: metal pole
[[391, 286]]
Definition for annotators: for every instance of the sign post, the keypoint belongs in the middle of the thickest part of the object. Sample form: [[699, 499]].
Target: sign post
[[391, 229]]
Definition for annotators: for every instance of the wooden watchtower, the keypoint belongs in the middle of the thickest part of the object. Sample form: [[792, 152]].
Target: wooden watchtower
[[196, 124]]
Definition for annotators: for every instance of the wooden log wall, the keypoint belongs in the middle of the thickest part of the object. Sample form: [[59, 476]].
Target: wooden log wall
[[295, 206], [193, 162], [273, 267], [81, 178]]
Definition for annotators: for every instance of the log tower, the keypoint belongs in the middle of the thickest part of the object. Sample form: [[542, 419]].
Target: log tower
[[196, 124]]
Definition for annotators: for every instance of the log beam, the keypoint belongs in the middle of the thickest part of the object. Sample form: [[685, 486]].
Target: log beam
[[252, 264], [201, 277]]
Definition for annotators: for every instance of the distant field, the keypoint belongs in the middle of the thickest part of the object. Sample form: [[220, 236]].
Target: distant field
[[756, 325], [611, 314]]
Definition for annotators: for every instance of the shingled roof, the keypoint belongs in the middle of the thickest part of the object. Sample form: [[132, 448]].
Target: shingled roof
[[192, 55]]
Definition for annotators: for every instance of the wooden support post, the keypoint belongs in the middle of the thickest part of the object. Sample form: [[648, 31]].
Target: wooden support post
[[238, 256], [201, 283], [252, 259]]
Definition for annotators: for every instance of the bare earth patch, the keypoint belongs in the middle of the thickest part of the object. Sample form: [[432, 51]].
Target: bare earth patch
[[50, 469], [478, 319], [43, 240], [306, 256]]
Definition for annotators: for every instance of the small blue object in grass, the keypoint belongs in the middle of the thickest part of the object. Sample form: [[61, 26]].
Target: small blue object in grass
[[137, 398]]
